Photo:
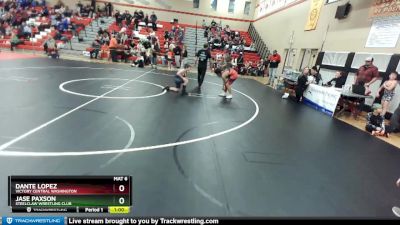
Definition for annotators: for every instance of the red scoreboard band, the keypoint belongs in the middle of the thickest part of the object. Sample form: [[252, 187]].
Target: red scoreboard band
[[68, 193]]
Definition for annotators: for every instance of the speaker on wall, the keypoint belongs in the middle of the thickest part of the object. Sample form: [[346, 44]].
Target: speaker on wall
[[343, 11]]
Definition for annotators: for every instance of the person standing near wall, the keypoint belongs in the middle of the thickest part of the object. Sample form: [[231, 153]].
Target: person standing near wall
[[203, 56], [177, 52], [153, 19], [184, 56], [109, 9], [367, 75], [274, 61], [388, 86]]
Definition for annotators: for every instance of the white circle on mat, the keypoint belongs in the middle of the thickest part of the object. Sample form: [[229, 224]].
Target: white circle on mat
[[62, 88]]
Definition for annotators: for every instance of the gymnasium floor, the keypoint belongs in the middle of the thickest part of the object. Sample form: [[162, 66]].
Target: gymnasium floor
[[198, 155]]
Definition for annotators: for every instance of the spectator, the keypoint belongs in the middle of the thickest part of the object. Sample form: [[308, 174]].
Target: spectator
[[213, 23], [100, 31], [204, 24], [177, 52], [128, 18], [123, 36], [59, 37], [316, 74], [126, 53], [136, 22], [184, 56], [367, 75], [141, 15], [139, 62], [155, 52], [375, 121], [96, 48], [49, 44], [339, 80], [240, 61], [118, 18], [260, 68], [302, 84], [113, 48], [170, 56], [153, 19], [266, 63], [109, 9], [388, 86], [27, 31], [105, 39], [274, 61], [146, 20], [14, 41]]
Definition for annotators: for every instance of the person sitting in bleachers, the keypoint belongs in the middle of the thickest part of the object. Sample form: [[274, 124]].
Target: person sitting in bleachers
[[213, 23], [105, 39], [260, 68], [243, 69], [96, 46], [14, 41], [59, 37]]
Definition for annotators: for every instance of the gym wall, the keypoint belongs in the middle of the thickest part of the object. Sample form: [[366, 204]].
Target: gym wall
[[183, 10], [349, 34]]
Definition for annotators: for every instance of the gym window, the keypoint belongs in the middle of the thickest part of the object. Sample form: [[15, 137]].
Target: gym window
[[196, 4], [231, 7], [330, 1], [214, 4], [247, 6]]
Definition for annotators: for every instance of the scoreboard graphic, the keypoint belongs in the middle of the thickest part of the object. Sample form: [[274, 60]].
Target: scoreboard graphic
[[70, 194]]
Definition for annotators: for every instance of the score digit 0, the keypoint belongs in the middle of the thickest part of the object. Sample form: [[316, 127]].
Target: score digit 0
[[121, 200], [121, 188]]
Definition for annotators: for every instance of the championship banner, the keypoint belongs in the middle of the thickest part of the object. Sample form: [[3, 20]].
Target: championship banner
[[269, 6], [384, 8], [313, 15], [323, 99]]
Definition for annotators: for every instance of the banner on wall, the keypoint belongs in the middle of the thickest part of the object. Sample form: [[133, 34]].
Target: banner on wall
[[323, 99], [383, 8], [384, 33], [313, 15], [269, 6]]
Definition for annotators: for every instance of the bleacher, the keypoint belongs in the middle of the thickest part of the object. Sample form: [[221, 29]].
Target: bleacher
[[165, 26], [247, 56], [38, 37]]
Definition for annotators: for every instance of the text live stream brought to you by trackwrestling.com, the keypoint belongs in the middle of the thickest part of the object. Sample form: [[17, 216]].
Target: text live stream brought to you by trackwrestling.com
[[57, 220]]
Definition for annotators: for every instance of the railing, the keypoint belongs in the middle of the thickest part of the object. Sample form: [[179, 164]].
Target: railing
[[259, 44], [195, 48]]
